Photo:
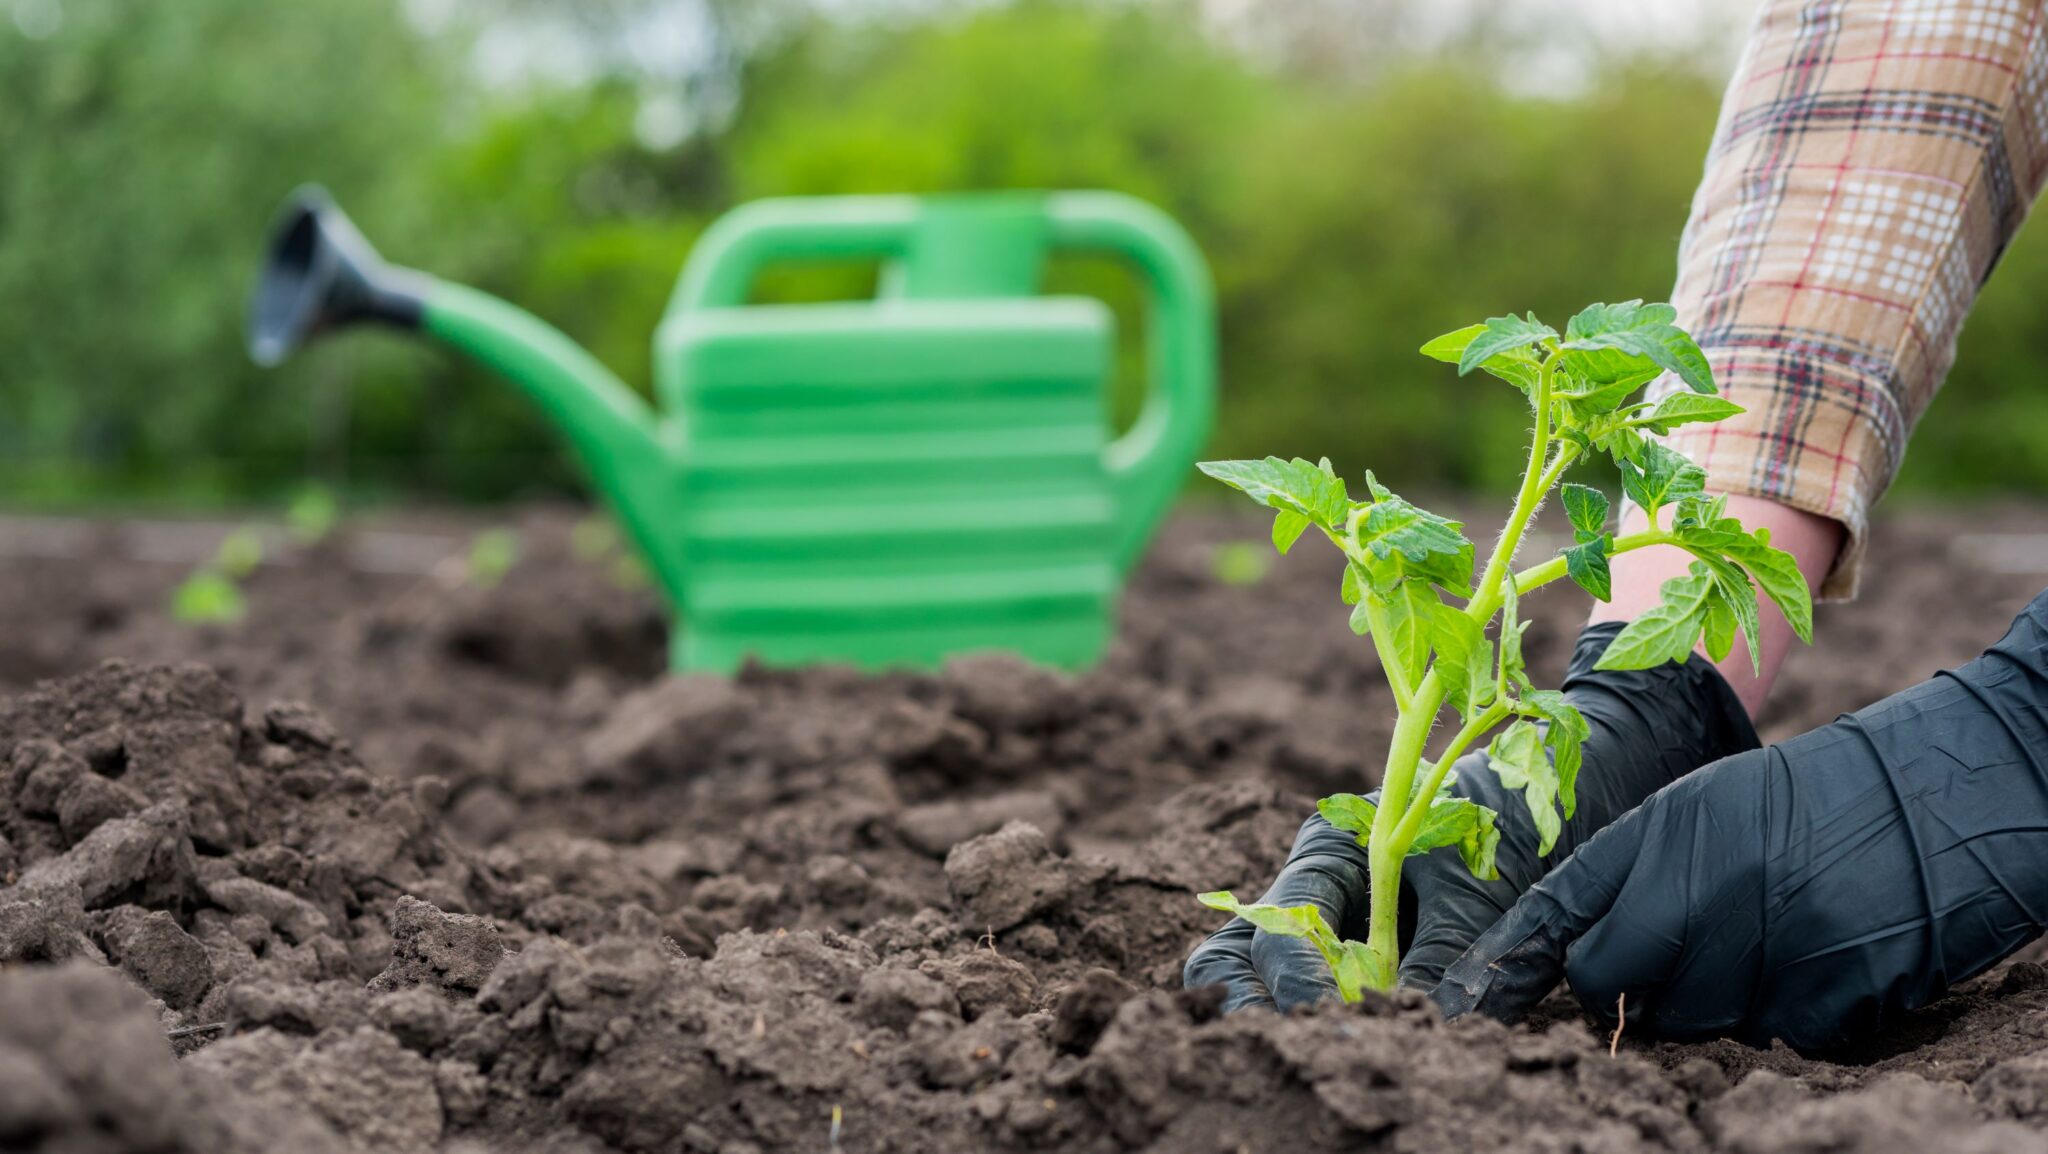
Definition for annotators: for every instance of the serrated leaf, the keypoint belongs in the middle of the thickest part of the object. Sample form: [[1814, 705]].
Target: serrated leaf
[[1642, 330], [1501, 335], [1518, 757], [1565, 732], [1352, 589], [1464, 660], [1586, 507], [1596, 319], [1309, 490], [1286, 921], [1779, 575], [1624, 445], [1349, 812], [1518, 367], [1668, 630], [1734, 608], [1705, 531], [1586, 564], [1686, 409], [1457, 821], [1407, 616], [1661, 476], [1287, 529], [1428, 546]]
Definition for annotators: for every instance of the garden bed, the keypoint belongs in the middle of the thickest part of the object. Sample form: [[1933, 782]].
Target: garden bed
[[400, 863]]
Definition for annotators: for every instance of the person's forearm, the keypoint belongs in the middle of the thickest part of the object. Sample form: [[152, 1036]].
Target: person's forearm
[[1639, 577]]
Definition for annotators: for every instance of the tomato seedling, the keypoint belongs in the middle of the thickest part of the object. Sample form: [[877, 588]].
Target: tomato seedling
[[1403, 561]]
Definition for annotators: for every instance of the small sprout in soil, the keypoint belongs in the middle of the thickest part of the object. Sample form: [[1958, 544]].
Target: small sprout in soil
[[595, 539], [1240, 563], [491, 555], [1416, 592], [213, 592], [240, 553], [207, 597], [312, 515]]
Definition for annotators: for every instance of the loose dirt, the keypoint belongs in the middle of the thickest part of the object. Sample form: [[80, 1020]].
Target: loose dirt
[[402, 864]]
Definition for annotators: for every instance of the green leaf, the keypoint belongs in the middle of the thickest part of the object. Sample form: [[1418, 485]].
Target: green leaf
[[1641, 330], [1600, 379], [1407, 633], [1717, 635], [1518, 367], [1287, 529], [1733, 608], [1307, 490], [1668, 631], [1463, 823], [1501, 335], [1361, 619], [1779, 574], [1349, 812], [1517, 756], [1662, 477], [1686, 409], [1702, 529], [1431, 547], [1624, 445], [1352, 589], [1464, 660], [1586, 565], [1287, 921], [1358, 968], [1587, 509], [1565, 731], [1512, 669]]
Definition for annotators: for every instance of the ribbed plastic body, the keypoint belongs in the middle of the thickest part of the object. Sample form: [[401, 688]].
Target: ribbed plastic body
[[891, 483]]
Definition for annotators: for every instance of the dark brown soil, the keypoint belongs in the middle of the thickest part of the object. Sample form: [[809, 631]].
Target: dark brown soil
[[401, 864]]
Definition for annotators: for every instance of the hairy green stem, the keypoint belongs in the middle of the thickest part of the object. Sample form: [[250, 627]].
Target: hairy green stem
[[1401, 805], [1425, 796], [1486, 600], [1537, 576]]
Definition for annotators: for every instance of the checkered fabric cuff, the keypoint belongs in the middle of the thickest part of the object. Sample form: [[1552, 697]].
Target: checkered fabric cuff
[[1872, 160]]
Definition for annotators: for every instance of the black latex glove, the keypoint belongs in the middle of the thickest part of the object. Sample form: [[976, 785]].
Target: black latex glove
[[1648, 727], [1811, 891]]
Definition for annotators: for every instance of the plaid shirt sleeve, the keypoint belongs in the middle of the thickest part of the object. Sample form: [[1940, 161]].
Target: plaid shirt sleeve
[[1872, 159]]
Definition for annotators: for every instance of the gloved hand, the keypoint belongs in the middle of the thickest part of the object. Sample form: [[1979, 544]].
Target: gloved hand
[[1811, 891], [1648, 726]]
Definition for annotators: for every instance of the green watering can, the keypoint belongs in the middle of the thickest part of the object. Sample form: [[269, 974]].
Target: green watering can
[[884, 482]]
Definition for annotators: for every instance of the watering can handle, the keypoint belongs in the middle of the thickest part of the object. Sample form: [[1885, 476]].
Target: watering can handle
[[1148, 464]]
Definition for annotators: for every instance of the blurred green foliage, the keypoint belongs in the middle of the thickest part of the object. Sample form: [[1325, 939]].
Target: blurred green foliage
[[1348, 216]]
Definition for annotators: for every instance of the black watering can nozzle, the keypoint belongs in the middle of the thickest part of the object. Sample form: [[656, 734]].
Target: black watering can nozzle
[[318, 274]]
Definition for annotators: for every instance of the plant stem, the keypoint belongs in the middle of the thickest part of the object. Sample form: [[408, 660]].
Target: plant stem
[[1425, 795], [1400, 803], [1537, 576], [1536, 481]]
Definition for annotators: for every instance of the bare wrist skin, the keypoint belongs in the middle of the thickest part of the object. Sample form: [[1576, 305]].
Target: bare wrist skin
[[1814, 541]]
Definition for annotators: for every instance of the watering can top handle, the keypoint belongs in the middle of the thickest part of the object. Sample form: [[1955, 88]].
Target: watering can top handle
[[1148, 464]]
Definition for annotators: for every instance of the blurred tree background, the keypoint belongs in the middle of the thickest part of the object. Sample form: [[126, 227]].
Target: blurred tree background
[[1361, 176]]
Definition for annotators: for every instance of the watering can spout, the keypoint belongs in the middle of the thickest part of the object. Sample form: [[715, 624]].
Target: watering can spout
[[320, 274]]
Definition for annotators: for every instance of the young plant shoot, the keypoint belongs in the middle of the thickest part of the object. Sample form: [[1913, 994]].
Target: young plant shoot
[[1409, 578]]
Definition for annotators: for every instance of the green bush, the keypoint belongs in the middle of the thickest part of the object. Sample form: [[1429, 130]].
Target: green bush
[[147, 143]]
